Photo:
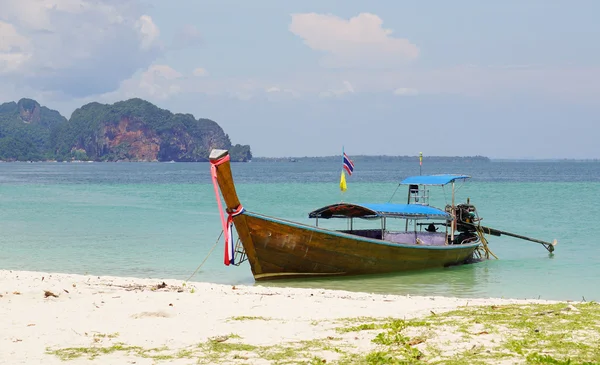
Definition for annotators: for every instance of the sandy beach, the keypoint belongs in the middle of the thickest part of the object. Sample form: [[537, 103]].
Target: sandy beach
[[114, 320]]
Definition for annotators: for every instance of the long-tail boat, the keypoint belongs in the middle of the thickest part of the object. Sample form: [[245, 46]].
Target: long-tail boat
[[277, 248]]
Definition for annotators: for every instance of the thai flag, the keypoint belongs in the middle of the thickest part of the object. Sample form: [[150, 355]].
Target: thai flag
[[348, 164]]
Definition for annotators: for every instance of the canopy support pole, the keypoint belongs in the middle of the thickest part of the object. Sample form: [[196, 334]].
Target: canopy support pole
[[453, 216]]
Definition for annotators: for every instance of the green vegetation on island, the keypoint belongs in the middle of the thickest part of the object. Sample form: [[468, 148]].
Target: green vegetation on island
[[377, 158], [131, 130], [25, 129]]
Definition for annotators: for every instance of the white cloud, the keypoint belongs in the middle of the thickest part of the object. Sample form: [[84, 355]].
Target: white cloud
[[164, 71], [405, 91], [277, 89], [360, 41], [148, 31], [29, 14], [158, 82], [14, 48], [348, 86], [346, 89], [161, 82], [74, 48], [276, 93], [200, 72]]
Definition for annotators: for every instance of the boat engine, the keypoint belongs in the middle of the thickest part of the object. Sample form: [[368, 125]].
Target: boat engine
[[466, 218]]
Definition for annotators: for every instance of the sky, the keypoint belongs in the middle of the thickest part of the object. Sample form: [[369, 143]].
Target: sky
[[503, 79]]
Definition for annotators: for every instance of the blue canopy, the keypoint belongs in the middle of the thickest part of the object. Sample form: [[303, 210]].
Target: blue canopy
[[433, 179], [375, 210]]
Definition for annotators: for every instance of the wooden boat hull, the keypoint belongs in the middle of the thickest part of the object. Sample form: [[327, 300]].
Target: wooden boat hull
[[284, 249]]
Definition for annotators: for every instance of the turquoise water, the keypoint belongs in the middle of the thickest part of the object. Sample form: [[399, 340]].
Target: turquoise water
[[160, 220]]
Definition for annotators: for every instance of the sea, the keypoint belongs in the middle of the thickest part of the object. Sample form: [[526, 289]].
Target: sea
[[161, 220]]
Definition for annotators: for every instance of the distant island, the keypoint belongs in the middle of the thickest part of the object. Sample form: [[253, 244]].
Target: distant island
[[370, 158], [388, 158], [131, 130], [546, 160]]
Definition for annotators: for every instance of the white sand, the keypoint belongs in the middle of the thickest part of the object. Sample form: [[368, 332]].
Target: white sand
[[101, 311]]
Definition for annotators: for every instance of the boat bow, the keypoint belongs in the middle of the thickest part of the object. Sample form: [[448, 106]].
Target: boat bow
[[222, 177]]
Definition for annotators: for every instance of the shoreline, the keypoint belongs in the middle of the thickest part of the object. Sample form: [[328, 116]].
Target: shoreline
[[44, 312]]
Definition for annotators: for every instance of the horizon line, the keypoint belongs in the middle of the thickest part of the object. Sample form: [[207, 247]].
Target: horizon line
[[445, 156]]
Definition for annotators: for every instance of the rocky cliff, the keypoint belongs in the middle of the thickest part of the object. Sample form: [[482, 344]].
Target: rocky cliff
[[136, 130]]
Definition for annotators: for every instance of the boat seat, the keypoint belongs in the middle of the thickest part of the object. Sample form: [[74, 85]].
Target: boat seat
[[425, 238]]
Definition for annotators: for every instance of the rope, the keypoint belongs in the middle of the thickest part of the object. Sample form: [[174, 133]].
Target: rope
[[206, 258], [226, 222], [394, 193], [484, 242], [462, 183]]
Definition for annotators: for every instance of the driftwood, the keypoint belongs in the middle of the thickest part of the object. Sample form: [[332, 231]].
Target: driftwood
[[48, 293]]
